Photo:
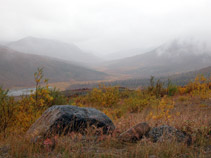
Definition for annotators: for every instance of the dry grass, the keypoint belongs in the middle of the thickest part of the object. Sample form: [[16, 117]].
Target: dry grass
[[192, 115]]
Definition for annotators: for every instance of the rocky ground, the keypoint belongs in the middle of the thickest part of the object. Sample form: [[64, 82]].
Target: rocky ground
[[186, 134]]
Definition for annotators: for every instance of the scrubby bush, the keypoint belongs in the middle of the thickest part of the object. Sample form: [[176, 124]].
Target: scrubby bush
[[31, 107], [103, 96], [157, 88], [138, 100], [162, 110], [199, 87], [171, 88], [58, 97], [7, 111], [18, 115]]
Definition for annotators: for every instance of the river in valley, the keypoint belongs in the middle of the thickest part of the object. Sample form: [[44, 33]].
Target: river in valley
[[20, 92]]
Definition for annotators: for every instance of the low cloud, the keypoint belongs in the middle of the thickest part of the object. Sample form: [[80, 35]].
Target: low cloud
[[105, 26]]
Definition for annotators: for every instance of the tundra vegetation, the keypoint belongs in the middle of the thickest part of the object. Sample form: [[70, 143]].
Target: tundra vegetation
[[187, 108]]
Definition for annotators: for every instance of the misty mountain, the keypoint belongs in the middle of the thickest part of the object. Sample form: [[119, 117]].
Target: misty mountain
[[3, 42], [173, 57], [53, 48], [17, 69], [126, 53]]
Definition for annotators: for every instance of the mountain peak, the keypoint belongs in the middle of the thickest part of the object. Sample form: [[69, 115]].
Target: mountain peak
[[39, 40], [18, 68], [183, 47], [52, 48], [29, 38]]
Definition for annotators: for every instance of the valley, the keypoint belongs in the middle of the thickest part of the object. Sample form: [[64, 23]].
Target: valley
[[105, 79], [23, 57], [123, 91]]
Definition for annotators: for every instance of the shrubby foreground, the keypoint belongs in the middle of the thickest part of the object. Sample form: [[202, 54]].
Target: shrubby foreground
[[184, 108]]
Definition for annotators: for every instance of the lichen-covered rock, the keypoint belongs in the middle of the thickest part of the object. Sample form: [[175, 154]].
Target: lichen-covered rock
[[63, 119], [135, 133], [165, 132]]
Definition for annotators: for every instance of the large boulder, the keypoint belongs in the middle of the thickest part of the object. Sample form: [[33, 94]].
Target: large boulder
[[135, 133], [63, 119], [168, 133]]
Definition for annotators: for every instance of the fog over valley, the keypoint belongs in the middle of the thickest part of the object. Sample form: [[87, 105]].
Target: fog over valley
[[94, 41], [105, 26], [105, 78]]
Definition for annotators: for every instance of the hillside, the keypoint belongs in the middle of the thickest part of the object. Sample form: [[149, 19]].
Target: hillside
[[126, 53], [171, 58], [52, 48], [17, 69], [184, 78], [178, 79]]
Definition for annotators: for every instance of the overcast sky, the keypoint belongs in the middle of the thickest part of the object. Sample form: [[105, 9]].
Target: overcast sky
[[105, 26]]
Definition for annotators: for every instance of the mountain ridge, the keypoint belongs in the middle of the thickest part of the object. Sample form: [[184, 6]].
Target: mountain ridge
[[168, 59], [52, 48], [176, 79], [17, 68]]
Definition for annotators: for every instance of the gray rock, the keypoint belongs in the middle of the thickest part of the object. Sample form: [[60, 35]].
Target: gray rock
[[63, 119], [4, 151], [135, 133], [165, 132]]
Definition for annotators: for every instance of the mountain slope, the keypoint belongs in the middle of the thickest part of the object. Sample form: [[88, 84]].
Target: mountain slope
[[126, 53], [173, 57], [16, 69], [178, 79], [52, 48], [184, 78]]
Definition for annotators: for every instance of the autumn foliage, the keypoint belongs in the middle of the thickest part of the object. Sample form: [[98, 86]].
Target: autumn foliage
[[17, 115], [157, 104]]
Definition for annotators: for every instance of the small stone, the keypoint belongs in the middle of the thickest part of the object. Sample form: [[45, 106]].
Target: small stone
[[135, 133], [165, 132]]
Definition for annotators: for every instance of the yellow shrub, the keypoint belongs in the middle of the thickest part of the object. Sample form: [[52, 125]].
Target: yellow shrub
[[182, 90], [183, 98], [30, 108], [162, 110], [103, 96], [136, 104], [138, 100]]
